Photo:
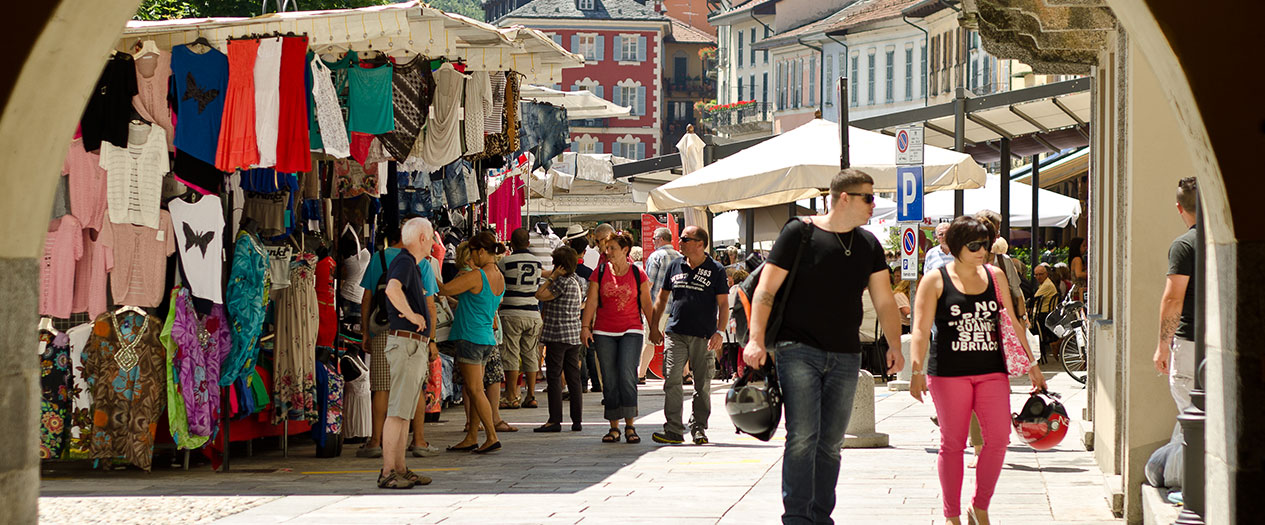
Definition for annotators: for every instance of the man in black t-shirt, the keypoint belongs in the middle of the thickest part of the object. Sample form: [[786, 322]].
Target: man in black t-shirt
[[1175, 352], [818, 347], [696, 290]]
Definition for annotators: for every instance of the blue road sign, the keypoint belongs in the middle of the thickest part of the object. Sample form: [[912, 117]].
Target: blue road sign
[[909, 192]]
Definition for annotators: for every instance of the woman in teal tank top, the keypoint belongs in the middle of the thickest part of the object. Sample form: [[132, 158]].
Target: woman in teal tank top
[[478, 296]]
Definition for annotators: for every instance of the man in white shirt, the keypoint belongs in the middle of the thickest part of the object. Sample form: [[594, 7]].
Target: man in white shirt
[[939, 255]]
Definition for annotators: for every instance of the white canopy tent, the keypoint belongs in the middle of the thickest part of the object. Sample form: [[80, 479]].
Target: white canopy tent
[[729, 227], [395, 29], [1056, 211], [579, 104], [799, 164]]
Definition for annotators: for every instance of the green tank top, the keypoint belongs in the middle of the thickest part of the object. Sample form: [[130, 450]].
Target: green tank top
[[473, 319]]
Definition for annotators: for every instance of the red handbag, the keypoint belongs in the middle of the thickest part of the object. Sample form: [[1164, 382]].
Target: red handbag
[[1017, 362]]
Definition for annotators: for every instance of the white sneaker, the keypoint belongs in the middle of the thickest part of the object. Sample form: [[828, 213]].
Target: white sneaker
[[427, 451]]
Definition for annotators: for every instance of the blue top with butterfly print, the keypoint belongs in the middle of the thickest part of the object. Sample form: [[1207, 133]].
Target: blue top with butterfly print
[[200, 81]]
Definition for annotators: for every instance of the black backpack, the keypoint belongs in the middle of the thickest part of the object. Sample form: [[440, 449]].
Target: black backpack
[[378, 321], [746, 290]]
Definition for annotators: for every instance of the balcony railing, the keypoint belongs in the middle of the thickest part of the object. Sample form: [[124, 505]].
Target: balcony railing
[[750, 114], [689, 87]]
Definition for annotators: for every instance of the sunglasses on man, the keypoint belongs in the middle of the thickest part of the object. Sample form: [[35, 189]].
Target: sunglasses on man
[[867, 197]]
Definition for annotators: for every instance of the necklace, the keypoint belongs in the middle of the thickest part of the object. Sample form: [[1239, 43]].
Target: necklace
[[126, 356], [847, 250]]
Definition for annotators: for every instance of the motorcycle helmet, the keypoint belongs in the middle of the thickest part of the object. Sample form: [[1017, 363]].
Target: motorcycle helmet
[[755, 410], [1043, 422]]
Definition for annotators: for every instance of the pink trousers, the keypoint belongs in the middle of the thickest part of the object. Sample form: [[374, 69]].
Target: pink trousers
[[988, 395]]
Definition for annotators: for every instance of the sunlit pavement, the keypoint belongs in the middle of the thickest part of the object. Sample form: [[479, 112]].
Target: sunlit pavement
[[572, 477]]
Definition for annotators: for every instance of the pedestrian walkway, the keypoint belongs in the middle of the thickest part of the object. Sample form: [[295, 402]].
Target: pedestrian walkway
[[571, 477]]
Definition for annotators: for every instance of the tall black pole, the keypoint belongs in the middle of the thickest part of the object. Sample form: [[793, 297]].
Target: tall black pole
[[1036, 216], [750, 213], [845, 159], [1005, 189], [1192, 420]]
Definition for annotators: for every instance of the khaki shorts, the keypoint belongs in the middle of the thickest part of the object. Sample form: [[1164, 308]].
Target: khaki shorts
[[519, 350], [379, 370], [407, 358]]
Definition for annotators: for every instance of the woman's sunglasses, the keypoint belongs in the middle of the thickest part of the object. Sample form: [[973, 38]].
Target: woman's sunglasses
[[975, 246]]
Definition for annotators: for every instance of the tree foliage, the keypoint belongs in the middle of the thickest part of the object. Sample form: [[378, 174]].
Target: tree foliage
[[168, 9]]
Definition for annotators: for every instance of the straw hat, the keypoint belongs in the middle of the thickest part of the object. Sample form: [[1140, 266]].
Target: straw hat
[[575, 231]]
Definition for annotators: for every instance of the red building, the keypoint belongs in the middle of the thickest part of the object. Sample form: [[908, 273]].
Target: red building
[[622, 42]]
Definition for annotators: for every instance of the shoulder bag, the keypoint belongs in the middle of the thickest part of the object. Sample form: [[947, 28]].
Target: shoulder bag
[[1017, 362]]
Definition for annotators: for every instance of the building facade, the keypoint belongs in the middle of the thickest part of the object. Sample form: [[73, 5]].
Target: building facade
[[685, 79], [622, 42]]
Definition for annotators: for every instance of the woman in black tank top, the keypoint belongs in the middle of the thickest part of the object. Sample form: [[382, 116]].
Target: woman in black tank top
[[967, 366]]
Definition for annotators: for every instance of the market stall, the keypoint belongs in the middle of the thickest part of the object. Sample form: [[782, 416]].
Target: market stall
[[226, 188]]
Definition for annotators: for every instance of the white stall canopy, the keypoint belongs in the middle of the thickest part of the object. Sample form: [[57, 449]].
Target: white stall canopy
[[1056, 210], [579, 104], [395, 29], [799, 164]]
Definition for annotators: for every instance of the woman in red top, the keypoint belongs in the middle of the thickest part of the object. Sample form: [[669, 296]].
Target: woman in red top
[[619, 295]]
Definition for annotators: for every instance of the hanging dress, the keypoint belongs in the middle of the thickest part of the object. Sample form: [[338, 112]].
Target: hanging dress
[[357, 407], [238, 146], [267, 99], [478, 104], [325, 300], [55, 397], [247, 299], [153, 75], [123, 362], [294, 153], [329, 115], [202, 343], [294, 364], [177, 416], [80, 421], [442, 143]]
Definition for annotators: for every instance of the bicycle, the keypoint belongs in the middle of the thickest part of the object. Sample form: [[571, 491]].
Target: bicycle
[[1067, 322]]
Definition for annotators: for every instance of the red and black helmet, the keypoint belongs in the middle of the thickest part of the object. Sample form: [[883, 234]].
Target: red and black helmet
[[1043, 422]]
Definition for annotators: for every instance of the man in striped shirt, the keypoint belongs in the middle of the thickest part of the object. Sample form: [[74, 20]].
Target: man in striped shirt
[[543, 242], [520, 319]]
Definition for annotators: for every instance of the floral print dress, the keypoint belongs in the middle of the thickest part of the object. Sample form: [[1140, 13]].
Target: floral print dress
[[54, 394], [124, 364], [294, 367]]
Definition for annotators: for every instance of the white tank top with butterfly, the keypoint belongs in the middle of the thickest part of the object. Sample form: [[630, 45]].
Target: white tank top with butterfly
[[200, 242]]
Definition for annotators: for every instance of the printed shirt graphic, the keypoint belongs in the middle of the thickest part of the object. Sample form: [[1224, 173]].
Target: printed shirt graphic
[[618, 312], [693, 308], [967, 341], [522, 279]]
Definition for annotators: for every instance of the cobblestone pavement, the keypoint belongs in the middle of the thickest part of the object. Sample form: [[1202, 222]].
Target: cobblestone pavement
[[572, 477]]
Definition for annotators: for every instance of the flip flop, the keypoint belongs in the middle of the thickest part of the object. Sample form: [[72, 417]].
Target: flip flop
[[502, 426]]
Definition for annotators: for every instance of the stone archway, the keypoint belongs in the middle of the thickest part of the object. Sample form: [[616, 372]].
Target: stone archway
[[59, 47]]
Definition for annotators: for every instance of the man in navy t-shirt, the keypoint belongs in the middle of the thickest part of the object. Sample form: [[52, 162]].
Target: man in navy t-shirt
[[697, 292]]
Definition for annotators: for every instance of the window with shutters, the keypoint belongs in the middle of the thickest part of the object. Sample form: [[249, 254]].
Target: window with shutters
[[740, 51], [588, 47], [869, 78], [909, 71], [812, 80], [889, 81], [828, 92], [585, 5], [628, 48], [797, 80], [853, 78], [751, 87], [628, 97], [922, 71], [934, 72], [740, 91]]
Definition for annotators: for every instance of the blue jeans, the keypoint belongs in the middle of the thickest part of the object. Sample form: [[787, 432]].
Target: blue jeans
[[817, 390], [619, 357]]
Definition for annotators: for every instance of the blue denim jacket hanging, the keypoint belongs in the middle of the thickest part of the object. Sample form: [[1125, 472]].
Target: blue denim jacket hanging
[[544, 128]]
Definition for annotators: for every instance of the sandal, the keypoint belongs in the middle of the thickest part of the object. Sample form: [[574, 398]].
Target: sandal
[[415, 478], [630, 435], [502, 426], [515, 404], [504, 404], [612, 436], [530, 403], [393, 481]]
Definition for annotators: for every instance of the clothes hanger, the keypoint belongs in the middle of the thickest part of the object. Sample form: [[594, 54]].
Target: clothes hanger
[[146, 47], [46, 325], [200, 41], [132, 309]]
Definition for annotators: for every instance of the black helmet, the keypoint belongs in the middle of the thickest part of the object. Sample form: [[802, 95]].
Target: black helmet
[[756, 410]]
